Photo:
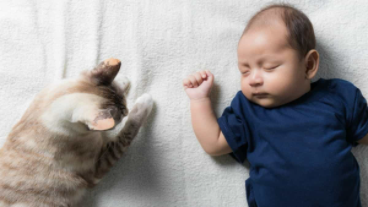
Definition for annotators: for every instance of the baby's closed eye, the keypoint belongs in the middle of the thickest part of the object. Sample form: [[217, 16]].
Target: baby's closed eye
[[271, 67]]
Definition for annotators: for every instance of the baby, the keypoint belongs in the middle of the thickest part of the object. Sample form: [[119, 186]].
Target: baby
[[296, 135]]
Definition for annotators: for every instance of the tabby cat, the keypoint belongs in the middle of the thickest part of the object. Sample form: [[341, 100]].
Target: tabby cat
[[61, 145]]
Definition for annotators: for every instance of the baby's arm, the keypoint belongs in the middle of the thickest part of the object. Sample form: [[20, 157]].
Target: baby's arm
[[198, 87]]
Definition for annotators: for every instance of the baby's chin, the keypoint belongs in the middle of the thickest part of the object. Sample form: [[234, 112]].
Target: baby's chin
[[266, 102]]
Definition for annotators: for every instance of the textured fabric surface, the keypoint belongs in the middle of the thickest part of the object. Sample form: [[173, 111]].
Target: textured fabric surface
[[159, 43]]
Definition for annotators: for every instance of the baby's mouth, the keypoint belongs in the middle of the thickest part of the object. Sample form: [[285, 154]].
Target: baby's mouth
[[260, 95]]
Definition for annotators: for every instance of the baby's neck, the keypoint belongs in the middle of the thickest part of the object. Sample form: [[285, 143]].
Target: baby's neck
[[306, 89]]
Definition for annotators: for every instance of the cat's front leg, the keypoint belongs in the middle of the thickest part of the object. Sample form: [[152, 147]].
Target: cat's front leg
[[139, 113], [114, 150]]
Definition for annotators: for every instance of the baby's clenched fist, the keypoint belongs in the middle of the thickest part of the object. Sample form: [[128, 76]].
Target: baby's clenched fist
[[198, 85]]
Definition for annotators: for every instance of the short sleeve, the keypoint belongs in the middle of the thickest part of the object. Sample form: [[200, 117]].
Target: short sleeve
[[358, 124], [235, 129]]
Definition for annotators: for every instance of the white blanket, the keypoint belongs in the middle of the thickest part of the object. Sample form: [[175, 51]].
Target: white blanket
[[160, 42]]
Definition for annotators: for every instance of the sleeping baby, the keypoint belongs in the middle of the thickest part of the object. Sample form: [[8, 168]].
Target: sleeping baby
[[296, 135]]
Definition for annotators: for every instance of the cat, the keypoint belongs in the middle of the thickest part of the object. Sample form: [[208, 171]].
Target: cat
[[62, 145]]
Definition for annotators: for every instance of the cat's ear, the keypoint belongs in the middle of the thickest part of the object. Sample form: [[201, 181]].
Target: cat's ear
[[101, 124], [96, 119], [105, 72], [101, 121]]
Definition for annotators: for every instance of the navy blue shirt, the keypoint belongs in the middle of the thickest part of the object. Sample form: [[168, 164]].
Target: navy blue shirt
[[300, 152]]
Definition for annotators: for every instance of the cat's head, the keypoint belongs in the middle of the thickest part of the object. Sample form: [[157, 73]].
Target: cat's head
[[93, 101]]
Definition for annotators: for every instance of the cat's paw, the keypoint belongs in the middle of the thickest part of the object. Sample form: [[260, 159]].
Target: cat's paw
[[142, 107], [145, 102], [123, 82]]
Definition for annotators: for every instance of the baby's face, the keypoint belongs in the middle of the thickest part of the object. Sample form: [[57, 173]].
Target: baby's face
[[272, 72]]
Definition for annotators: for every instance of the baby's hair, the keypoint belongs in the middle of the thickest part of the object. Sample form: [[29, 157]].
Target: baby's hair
[[299, 28]]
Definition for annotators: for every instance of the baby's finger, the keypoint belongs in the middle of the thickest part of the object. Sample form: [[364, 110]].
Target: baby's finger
[[203, 74], [198, 77], [210, 76], [193, 81], [186, 83], [208, 73]]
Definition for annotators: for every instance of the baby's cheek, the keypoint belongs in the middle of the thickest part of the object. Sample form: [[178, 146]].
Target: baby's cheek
[[245, 89], [279, 84]]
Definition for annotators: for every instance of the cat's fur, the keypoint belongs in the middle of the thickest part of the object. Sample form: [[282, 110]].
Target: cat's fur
[[60, 146]]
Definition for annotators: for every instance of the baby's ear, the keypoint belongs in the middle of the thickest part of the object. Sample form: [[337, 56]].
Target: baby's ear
[[106, 71], [311, 63]]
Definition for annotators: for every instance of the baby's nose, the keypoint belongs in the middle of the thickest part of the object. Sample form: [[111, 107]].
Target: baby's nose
[[255, 79]]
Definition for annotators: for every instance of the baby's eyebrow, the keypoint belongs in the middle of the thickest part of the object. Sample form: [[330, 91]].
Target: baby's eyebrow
[[243, 62], [268, 58], [261, 60]]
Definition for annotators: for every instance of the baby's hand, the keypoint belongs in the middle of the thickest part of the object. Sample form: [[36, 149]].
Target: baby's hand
[[198, 85]]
